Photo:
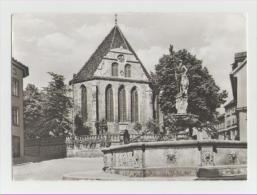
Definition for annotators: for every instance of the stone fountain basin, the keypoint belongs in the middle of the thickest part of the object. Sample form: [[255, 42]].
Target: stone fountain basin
[[176, 158]]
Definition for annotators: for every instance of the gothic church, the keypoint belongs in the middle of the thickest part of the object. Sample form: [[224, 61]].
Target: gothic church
[[113, 85]]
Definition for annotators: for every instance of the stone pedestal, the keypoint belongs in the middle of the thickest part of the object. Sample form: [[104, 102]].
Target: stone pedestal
[[181, 103]]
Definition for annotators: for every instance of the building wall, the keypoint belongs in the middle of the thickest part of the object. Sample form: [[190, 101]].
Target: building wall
[[95, 87], [18, 131], [220, 126], [241, 87], [227, 126], [230, 117], [105, 70], [243, 126], [242, 101], [231, 123]]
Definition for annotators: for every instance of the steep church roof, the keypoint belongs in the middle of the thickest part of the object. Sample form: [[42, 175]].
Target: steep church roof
[[115, 39]]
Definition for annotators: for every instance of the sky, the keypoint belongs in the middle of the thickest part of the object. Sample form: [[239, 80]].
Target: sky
[[62, 43]]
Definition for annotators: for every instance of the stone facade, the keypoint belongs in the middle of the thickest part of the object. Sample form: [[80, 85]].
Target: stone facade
[[98, 74], [99, 86], [19, 71]]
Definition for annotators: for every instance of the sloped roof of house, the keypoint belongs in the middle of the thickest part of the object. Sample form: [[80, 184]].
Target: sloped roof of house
[[21, 66], [115, 39], [230, 104]]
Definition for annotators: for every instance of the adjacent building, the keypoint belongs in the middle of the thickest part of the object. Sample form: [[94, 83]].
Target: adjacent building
[[239, 89], [227, 126], [231, 127], [220, 126], [113, 85], [19, 71]]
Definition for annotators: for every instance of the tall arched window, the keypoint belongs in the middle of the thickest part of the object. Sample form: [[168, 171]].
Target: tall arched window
[[109, 104], [134, 105], [122, 104], [84, 103], [115, 69], [128, 70]]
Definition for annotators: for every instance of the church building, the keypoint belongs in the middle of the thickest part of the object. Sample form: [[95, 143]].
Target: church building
[[113, 85]]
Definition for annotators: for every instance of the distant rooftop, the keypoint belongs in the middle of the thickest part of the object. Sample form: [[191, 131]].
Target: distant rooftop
[[240, 57], [21, 66], [230, 104]]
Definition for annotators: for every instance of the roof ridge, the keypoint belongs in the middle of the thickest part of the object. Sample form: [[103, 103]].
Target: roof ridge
[[123, 37], [113, 36]]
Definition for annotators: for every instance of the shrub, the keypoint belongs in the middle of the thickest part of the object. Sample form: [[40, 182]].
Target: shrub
[[153, 126], [101, 126], [80, 129], [137, 127]]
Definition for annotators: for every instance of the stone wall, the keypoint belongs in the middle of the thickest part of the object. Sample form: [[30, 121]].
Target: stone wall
[[96, 93], [175, 158], [47, 148], [84, 153]]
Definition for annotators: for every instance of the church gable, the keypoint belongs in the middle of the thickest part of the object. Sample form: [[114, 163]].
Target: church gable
[[122, 64], [113, 58]]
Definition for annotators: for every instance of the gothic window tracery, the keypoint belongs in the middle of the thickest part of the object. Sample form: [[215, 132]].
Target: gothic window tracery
[[122, 104], [83, 103], [109, 104], [134, 105]]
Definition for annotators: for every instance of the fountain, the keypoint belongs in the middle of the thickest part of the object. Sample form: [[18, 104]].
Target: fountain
[[183, 120], [173, 158]]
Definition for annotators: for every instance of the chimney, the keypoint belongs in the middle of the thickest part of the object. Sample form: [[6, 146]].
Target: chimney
[[239, 57]]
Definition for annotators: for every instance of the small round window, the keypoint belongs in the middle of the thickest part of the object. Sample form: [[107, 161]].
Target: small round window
[[121, 58]]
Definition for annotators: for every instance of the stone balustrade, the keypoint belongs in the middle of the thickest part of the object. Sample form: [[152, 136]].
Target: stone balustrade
[[96, 141]]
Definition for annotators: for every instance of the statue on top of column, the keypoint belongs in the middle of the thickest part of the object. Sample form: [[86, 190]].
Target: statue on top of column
[[182, 96], [184, 82]]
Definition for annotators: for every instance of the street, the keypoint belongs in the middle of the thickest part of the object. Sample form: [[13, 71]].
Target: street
[[55, 169]]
